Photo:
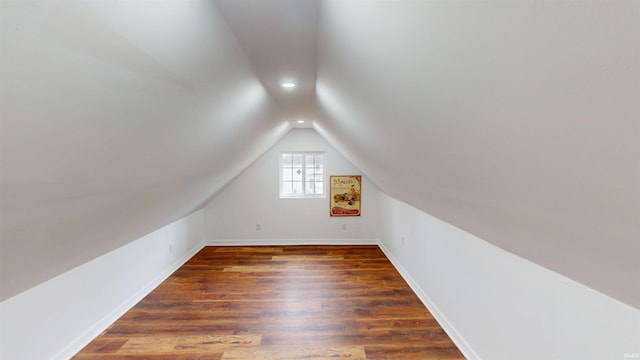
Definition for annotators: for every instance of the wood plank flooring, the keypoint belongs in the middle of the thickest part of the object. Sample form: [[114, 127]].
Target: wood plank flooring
[[290, 302]]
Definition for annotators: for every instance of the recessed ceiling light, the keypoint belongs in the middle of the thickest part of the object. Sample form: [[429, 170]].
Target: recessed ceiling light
[[300, 121], [288, 84]]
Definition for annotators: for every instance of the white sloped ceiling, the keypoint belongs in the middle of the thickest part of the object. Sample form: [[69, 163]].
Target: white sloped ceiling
[[118, 118], [518, 122]]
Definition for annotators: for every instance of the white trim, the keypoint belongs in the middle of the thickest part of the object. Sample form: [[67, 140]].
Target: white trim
[[455, 336], [90, 334], [285, 242]]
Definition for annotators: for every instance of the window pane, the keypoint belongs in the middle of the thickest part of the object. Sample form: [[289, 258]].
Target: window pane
[[314, 161], [315, 172], [314, 188], [297, 159], [287, 187], [310, 188], [313, 176], [297, 173], [308, 159], [318, 172], [297, 187], [287, 174]]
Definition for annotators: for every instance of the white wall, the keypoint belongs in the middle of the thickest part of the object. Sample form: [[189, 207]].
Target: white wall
[[57, 318], [253, 198], [516, 121], [496, 305], [117, 118]]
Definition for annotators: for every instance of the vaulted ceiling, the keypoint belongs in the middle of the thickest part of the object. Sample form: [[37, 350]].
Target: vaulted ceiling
[[518, 122]]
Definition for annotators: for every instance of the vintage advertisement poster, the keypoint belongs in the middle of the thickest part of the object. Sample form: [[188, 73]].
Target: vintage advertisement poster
[[345, 195]]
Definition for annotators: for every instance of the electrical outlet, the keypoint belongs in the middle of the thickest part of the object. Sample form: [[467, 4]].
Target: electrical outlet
[[170, 248], [258, 227], [344, 226], [402, 240]]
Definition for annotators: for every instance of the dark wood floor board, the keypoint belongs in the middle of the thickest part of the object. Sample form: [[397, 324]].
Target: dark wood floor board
[[278, 302]]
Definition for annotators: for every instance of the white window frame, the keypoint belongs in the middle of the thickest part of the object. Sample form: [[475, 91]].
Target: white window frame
[[303, 195]]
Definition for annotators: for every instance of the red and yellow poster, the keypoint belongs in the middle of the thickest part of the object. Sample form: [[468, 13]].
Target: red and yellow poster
[[345, 195]]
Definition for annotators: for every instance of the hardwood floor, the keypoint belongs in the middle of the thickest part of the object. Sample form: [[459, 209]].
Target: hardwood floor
[[293, 302]]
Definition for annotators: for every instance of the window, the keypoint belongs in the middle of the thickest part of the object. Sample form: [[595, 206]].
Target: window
[[301, 174]]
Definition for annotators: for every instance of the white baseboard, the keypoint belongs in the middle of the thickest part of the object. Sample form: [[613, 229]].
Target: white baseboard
[[284, 242], [91, 333], [83, 340], [455, 336]]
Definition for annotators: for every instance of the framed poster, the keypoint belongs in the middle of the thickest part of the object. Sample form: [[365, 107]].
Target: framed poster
[[345, 195]]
